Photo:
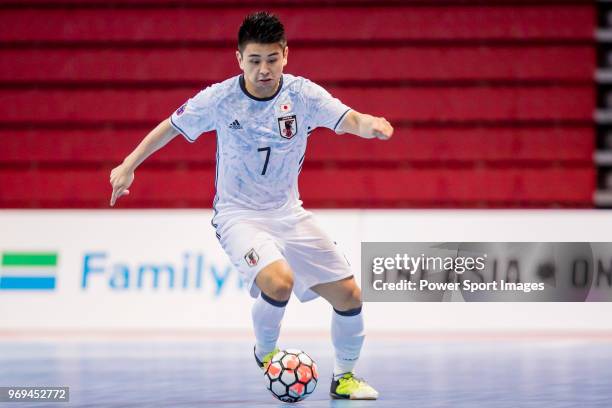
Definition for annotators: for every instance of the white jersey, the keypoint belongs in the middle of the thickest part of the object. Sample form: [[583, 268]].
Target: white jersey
[[261, 142]]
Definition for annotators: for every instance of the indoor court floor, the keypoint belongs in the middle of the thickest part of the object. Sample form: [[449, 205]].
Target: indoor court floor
[[425, 373]]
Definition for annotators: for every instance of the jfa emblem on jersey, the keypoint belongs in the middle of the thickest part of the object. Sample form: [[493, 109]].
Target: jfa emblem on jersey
[[287, 126], [251, 258]]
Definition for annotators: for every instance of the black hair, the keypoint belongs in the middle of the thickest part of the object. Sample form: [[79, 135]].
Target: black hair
[[262, 28]]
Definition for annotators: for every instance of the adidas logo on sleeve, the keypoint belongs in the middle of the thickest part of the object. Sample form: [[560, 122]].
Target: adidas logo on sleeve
[[235, 125]]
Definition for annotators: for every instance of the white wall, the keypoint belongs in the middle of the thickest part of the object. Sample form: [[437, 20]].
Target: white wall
[[128, 239]]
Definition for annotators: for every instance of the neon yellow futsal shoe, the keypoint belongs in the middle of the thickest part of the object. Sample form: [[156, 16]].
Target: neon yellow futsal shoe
[[263, 363], [350, 387]]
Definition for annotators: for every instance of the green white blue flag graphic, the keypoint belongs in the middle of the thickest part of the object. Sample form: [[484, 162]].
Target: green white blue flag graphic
[[28, 271]]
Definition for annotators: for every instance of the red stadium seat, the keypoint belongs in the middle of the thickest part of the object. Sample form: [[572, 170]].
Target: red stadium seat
[[446, 63], [319, 187], [211, 25], [438, 147], [91, 188], [235, 3], [96, 147], [421, 146], [448, 187], [492, 104], [413, 104]]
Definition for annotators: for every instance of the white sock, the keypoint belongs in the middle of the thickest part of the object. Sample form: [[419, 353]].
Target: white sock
[[347, 336], [267, 314]]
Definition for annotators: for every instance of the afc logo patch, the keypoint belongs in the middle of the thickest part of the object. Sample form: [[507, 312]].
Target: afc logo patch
[[251, 257], [287, 126]]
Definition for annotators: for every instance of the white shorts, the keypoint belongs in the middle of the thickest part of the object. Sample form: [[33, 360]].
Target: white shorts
[[254, 241]]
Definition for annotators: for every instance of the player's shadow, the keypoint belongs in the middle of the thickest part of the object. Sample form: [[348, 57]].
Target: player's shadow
[[323, 402], [351, 404]]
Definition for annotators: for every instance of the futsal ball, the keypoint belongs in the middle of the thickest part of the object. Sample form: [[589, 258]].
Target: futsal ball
[[291, 375]]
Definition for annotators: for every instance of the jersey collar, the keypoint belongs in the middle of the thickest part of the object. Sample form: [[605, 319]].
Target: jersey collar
[[269, 98]]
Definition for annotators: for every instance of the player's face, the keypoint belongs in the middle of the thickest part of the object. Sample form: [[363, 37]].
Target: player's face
[[262, 65]]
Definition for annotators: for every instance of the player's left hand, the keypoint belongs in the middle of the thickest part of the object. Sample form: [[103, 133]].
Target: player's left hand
[[382, 129]]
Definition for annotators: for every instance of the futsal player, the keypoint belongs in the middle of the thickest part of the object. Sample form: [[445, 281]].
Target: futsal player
[[263, 119]]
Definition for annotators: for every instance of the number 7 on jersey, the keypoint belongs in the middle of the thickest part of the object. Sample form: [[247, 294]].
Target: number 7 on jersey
[[267, 150]]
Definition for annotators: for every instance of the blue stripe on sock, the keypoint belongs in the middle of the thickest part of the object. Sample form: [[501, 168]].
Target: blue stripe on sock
[[350, 312], [274, 302]]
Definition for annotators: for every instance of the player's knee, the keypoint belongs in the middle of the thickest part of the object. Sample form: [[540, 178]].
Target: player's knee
[[282, 284], [355, 298], [282, 287], [350, 300], [276, 281]]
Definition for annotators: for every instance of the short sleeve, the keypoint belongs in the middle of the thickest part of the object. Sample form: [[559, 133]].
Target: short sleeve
[[197, 115], [325, 110]]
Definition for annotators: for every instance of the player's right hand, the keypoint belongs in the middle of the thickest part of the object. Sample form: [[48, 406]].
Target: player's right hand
[[121, 178]]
